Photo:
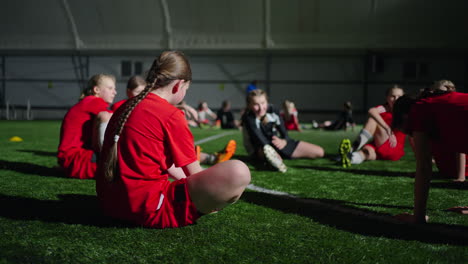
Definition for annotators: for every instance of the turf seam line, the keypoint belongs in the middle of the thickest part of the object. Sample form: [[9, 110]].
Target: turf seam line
[[204, 140]]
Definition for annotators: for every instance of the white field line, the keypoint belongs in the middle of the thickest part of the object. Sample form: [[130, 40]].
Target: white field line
[[204, 140], [437, 230]]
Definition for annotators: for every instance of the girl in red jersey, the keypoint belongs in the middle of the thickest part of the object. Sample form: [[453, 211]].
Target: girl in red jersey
[[450, 164], [83, 128], [436, 119], [145, 138], [289, 115], [387, 144], [135, 85]]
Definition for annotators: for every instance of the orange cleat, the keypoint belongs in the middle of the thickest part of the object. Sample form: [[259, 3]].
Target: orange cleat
[[197, 152], [228, 152]]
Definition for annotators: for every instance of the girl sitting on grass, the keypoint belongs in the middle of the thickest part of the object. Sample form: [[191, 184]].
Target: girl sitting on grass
[[387, 143], [148, 141], [83, 128], [265, 136]]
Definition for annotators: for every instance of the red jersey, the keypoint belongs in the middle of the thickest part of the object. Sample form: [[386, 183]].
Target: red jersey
[[291, 123], [385, 152], [444, 119], [118, 104], [75, 151], [155, 137]]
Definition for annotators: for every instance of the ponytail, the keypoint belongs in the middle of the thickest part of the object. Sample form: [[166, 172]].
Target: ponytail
[[170, 66]]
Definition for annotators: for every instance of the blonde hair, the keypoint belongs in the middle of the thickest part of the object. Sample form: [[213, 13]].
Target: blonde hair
[[255, 93], [288, 109], [443, 85], [94, 81], [393, 87], [169, 66]]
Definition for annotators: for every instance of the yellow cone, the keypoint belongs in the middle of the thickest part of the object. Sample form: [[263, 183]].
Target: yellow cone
[[16, 139]]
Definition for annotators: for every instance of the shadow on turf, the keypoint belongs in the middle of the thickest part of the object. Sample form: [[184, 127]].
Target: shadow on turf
[[70, 209], [39, 152], [450, 185], [337, 214], [30, 168], [363, 172]]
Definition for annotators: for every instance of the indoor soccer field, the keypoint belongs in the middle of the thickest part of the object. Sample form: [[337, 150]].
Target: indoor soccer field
[[317, 212]]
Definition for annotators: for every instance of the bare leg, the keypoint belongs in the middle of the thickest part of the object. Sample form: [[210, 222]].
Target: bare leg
[[379, 134], [368, 153], [308, 150], [219, 185]]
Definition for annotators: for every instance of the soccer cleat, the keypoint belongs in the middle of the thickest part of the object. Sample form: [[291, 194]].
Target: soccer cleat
[[227, 152], [274, 159], [345, 148], [197, 152]]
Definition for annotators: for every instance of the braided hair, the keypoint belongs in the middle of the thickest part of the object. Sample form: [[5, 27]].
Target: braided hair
[[169, 66]]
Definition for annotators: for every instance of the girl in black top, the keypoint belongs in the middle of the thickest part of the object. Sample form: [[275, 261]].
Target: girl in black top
[[264, 130]]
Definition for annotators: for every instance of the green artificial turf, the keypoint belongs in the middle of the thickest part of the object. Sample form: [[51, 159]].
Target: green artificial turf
[[332, 215]]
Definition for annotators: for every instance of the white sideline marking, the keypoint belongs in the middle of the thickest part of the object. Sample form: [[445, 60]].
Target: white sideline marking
[[204, 140], [265, 190]]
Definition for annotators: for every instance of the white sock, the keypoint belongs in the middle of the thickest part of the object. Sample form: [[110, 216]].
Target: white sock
[[363, 137], [356, 158], [102, 131]]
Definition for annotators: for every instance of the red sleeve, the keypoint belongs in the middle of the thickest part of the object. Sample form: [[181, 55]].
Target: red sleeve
[[97, 105], [180, 140], [118, 104]]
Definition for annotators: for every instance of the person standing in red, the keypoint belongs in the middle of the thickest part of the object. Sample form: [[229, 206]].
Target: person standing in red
[[146, 142], [438, 119], [135, 85], [83, 127]]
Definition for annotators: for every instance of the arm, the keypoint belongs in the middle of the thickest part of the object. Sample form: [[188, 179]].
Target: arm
[[374, 113], [423, 175], [192, 168], [255, 133], [461, 167], [176, 173]]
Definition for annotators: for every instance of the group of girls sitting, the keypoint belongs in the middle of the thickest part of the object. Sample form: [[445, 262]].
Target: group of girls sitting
[[133, 149]]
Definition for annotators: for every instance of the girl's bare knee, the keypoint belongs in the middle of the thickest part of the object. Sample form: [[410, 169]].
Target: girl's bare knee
[[320, 152], [238, 173]]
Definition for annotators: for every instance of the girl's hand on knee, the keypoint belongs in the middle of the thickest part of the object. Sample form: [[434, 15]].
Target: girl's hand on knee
[[392, 140], [278, 142]]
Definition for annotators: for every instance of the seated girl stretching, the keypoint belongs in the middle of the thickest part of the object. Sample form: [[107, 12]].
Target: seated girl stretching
[[439, 118], [83, 128], [148, 141], [265, 135], [387, 144]]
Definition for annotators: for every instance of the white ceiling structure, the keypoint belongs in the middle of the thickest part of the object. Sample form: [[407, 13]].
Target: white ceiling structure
[[41, 26]]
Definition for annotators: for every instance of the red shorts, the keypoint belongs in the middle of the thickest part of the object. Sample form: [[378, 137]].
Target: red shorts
[[385, 152], [78, 163], [177, 208]]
